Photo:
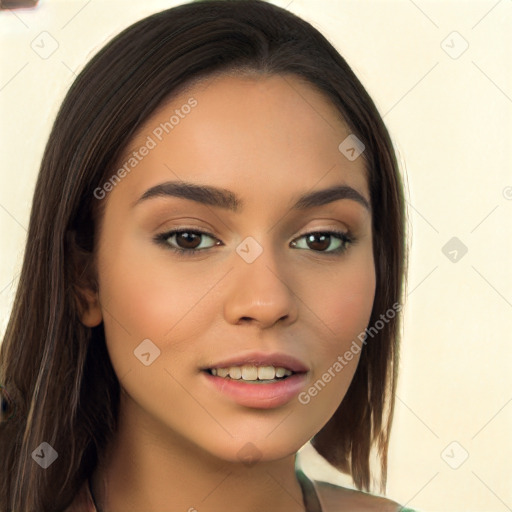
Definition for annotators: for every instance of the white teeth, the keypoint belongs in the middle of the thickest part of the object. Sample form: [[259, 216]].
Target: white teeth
[[249, 372], [266, 372], [221, 372], [252, 372], [235, 372]]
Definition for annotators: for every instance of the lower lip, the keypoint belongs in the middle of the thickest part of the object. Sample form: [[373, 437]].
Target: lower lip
[[259, 396]]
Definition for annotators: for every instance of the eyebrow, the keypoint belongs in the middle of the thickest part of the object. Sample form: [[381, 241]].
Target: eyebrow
[[225, 199]]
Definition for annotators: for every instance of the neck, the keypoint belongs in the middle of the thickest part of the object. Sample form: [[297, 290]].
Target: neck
[[149, 471]]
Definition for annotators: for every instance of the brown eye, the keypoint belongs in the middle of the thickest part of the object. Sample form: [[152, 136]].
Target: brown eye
[[188, 240], [185, 241], [320, 241]]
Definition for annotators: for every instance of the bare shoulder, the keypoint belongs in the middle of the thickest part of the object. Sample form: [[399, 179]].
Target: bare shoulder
[[334, 498]]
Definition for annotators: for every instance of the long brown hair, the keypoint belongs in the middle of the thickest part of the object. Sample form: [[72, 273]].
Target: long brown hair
[[58, 383]]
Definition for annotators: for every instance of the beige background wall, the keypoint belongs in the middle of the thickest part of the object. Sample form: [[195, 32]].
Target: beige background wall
[[449, 110]]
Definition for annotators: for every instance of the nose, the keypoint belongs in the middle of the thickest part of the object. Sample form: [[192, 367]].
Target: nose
[[260, 293]]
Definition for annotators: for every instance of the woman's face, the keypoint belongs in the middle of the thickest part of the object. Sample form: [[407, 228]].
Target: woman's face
[[259, 284]]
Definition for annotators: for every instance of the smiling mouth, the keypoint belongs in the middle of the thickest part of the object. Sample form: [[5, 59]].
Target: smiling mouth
[[252, 374]]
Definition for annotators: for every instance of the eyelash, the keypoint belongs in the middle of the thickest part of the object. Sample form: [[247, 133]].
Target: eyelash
[[161, 239]]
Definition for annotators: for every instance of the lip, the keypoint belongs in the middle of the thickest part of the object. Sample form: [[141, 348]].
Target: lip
[[276, 359], [258, 396]]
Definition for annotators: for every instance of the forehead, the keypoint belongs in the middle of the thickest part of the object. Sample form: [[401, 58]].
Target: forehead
[[273, 135]]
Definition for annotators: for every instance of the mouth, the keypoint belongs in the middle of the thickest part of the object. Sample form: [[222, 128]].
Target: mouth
[[257, 380], [253, 374], [256, 366]]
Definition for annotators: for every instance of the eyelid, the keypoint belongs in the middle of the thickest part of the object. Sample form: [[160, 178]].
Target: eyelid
[[345, 236], [161, 239]]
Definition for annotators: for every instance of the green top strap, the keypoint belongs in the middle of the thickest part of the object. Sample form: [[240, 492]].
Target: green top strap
[[311, 500]]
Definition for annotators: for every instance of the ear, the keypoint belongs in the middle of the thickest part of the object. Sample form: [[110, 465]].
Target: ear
[[83, 282], [91, 314]]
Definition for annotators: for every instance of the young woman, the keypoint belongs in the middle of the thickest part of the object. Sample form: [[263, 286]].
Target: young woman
[[212, 278]]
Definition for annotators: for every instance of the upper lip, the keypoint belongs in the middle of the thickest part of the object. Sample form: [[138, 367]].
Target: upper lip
[[276, 359]]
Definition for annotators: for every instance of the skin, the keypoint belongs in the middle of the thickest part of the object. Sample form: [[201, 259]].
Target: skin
[[268, 139]]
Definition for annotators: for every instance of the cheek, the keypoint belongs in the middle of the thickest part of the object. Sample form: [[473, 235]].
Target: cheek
[[146, 295], [352, 306], [346, 304], [344, 308]]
